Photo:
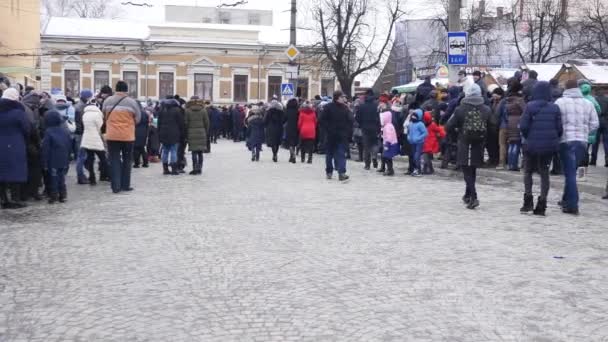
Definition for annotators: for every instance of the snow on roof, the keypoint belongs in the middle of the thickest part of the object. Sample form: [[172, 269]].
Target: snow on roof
[[99, 28], [502, 75], [595, 70], [546, 71]]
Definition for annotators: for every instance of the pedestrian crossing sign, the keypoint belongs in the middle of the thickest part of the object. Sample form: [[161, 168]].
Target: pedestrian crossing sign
[[287, 89]]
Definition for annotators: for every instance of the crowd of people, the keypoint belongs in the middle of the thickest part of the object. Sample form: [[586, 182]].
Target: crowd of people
[[532, 125]]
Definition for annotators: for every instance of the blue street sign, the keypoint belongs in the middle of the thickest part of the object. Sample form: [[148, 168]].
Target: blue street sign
[[287, 89], [457, 48]]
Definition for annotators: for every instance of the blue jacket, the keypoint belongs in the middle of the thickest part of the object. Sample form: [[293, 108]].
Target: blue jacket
[[416, 133], [14, 130], [541, 124], [215, 118], [57, 144]]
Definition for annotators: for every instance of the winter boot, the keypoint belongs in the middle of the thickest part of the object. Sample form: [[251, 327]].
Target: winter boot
[[174, 170], [473, 203], [389, 170], [528, 203], [252, 156], [52, 198], [382, 168], [309, 161], [541, 206], [375, 163], [166, 169], [63, 197], [343, 177]]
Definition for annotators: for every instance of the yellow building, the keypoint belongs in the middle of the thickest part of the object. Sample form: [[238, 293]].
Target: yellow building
[[19, 39], [221, 63]]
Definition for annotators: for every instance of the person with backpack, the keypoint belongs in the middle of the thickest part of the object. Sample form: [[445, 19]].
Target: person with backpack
[[541, 126], [470, 120]]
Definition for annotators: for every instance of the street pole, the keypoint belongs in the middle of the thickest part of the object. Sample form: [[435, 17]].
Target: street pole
[[453, 26], [292, 27]]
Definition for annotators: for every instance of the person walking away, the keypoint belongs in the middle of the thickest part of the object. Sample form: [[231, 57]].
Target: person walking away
[[471, 120], [255, 132], [170, 133], [141, 140], [56, 147], [585, 87], [274, 121], [514, 107], [291, 128], [92, 143], [85, 96], [197, 132], [369, 123], [602, 133], [14, 130], [32, 102], [579, 120], [416, 135], [390, 143], [336, 120], [431, 144], [121, 114], [307, 129], [541, 126]]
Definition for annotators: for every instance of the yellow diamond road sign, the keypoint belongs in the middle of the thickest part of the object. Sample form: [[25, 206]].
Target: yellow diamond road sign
[[292, 52]]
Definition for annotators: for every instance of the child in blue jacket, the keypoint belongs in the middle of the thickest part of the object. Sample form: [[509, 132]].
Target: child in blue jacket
[[56, 147], [416, 135]]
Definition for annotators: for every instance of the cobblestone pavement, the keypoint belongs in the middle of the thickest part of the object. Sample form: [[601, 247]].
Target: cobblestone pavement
[[274, 252]]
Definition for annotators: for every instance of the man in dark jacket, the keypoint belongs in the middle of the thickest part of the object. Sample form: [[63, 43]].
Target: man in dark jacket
[[602, 133], [171, 132], [541, 126], [529, 84], [469, 121], [478, 78], [369, 123], [424, 90], [556, 90], [215, 119], [141, 140], [337, 120]]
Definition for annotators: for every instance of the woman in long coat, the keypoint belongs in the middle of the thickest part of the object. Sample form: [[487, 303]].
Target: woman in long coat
[[14, 131], [274, 121], [292, 114], [197, 130], [255, 132]]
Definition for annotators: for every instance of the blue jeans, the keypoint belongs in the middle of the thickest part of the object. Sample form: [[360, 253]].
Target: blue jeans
[[602, 139], [169, 154], [57, 181], [571, 153], [513, 155], [80, 159], [335, 158], [121, 154], [416, 155]]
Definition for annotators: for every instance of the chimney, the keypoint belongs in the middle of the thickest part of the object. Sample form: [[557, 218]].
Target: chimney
[[500, 12]]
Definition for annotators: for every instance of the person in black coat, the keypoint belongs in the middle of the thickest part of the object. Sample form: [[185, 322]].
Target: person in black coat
[[238, 119], [291, 128], [424, 90], [541, 126], [337, 121], [470, 152], [141, 140], [171, 131], [215, 118], [274, 121], [56, 148], [369, 123]]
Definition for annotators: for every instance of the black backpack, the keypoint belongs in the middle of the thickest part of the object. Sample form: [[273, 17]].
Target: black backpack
[[475, 127]]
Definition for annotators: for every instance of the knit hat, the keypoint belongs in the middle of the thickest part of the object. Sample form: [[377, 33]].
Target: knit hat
[[86, 94], [472, 90], [583, 81], [60, 98], [11, 94]]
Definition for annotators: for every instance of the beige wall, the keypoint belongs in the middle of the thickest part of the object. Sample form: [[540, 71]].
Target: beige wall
[[20, 27]]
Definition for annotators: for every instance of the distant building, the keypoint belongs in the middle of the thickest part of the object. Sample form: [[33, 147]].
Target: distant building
[[214, 15], [20, 40], [221, 63]]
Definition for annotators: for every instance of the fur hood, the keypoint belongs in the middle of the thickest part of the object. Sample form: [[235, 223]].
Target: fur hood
[[195, 104]]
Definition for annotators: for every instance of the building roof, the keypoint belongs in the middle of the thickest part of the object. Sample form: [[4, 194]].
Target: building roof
[[595, 70], [546, 71], [95, 28]]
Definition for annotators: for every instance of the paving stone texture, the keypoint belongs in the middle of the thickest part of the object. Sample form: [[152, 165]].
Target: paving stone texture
[[274, 252]]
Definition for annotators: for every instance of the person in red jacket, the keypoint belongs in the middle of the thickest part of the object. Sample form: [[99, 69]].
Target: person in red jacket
[[307, 128], [431, 143]]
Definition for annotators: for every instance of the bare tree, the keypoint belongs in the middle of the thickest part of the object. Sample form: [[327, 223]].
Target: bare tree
[[350, 41], [591, 31], [79, 8], [538, 27]]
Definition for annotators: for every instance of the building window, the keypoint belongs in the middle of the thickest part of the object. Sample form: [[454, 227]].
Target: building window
[[254, 19], [72, 83], [274, 86], [100, 79], [327, 87], [131, 78], [165, 84], [203, 86], [302, 89], [240, 88], [224, 17]]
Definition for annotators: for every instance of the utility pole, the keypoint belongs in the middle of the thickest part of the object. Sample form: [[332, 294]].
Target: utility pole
[[453, 26], [292, 28]]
